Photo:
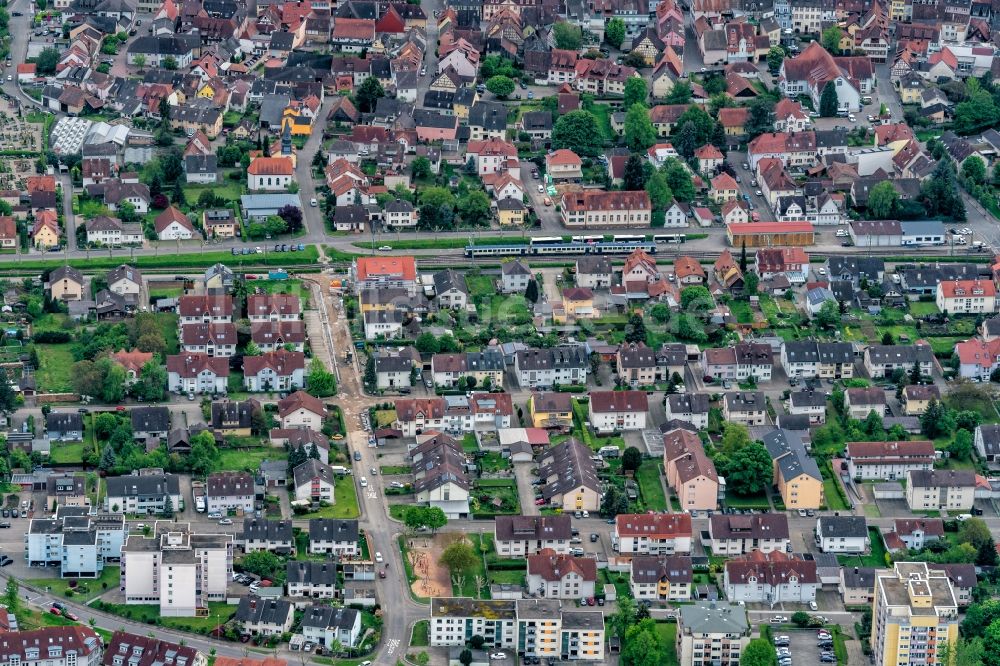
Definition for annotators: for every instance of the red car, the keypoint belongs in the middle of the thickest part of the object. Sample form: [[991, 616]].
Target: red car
[[120, 408], [72, 616], [381, 573], [55, 611], [540, 501]]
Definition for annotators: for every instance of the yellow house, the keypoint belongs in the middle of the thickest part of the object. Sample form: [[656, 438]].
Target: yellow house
[[44, 235], [796, 474], [910, 90], [916, 399], [551, 410], [464, 102], [897, 10], [510, 212], [847, 38], [300, 125], [578, 302], [66, 284]]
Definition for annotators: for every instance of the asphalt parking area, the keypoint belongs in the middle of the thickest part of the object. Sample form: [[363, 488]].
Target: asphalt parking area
[[802, 645]]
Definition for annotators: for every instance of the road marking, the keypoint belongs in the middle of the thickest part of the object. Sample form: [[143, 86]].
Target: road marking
[[372, 494], [391, 646]]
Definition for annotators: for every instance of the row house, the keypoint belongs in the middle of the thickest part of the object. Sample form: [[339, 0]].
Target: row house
[[543, 368], [205, 309], [197, 373], [739, 362], [661, 577], [773, 577], [455, 413], [272, 536], [314, 580], [522, 536], [333, 536], [273, 308], [812, 358], [882, 360], [486, 367]]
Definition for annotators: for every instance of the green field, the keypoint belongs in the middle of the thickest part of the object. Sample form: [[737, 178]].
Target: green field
[[164, 291], [420, 633], [55, 374], [172, 260], [876, 558], [50, 321], [650, 486], [168, 326], [230, 190], [219, 613], [248, 459]]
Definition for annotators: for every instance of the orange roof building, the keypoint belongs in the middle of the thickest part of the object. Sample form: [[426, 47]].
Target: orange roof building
[[373, 272]]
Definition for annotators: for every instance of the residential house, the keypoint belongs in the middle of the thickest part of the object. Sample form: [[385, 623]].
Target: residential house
[[842, 534], [560, 576], [273, 536], [691, 408], [172, 224], [617, 411], [65, 284], [329, 626], [150, 422], [229, 491], [661, 578], [882, 360], [796, 473], [593, 272], [860, 401], [746, 407], [314, 580], [279, 370], [314, 481], [520, 536], [888, 460], [741, 534], [301, 410], [540, 368], [64, 426], [551, 410], [765, 577], [333, 536], [940, 490], [514, 277], [809, 403], [689, 472], [568, 476], [197, 373], [264, 617], [652, 534]]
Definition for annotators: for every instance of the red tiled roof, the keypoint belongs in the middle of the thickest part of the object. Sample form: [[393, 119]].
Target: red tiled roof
[[967, 288], [369, 267], [656, 525]]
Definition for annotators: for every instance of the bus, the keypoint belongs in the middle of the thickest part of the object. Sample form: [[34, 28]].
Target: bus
[[625, 238], [669, 238], [547, 240], [588, 239]]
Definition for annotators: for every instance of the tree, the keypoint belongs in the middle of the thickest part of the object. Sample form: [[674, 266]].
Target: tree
[[371, 376], [743, 257], [292, 215], [887, 339], [615, 501], [420, 168], [152, 381], [465, 657], [978, 112], [643, 645], [635, 329], [828, 315], [696, 298], [426, 343], [638, 128], [204, 455], [658, 190], [493, 65], [458, 557], [169, 63], [262, 563], [531, 292], [828, 101], [139, 60], [631, 459], [940, 194], [759, 651], [775, 57], [830, 39], [113, 386], [703, 124], [991, 645], [750, 283], [635, 175], [760, 117], [567, 35], [108, 459], [801, 618], [680, 93], [735, 436], [368, 94], [636, 90], [678, 179], [978, 616], [748, 471], [963, 652], [578, 131], [937, 420], [46, 61], [686, 141], [12, 595], [614, 32], [321, 382], [883, 201], [961, 447], [501, 86], [623, 618], [974, 169], [474, 208]]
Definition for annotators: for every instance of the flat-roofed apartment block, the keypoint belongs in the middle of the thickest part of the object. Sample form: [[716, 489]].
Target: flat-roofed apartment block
[[915, 615]]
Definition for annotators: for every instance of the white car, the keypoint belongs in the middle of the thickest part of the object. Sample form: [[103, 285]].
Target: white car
[[364, 482], [853, 118], [586, 514], [541, 188], [760, 193], [313, 202], [841, 233], [821, 271], [378, 557], [385, 248], [966, 231], [498, 655], [812, 604]]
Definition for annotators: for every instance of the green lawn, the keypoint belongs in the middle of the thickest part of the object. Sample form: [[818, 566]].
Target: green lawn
[[876, 558], [397, 511], [420, 636], [87, 589], [219, 613], [50, 321], [668, 632], [346, 504], [468, 586], [174, 261], [493, 462], [480, 286], [650, 485], [758, 502], [168, 325], [55, 374], [923, 309], [66, 453], [248, 459], [164, 291], [230, 190], [28, 619], [504, 576], [395, 469], [469, 443]]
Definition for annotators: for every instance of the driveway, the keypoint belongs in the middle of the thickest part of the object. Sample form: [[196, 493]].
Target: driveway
[[525, 491]]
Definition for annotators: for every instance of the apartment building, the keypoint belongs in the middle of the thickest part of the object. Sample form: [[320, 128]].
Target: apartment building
[[147, 491], [712, 634], [520, 536], [569, 477], [738, 363], [661, 577], [796, 473], [175, 568], [774, 577], [915, 614], [618, 411], [79, 542], [690, 472], [543, 368], [810, 358], [652, 533], [940, 490], [888, 460], [560, 576], [229, 491], [126, 649], [741, 534], [966, 296], [74, 645], [599, 209], [881, 360]]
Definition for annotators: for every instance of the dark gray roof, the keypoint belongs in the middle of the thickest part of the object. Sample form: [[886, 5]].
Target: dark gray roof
[[150, 419], [555, 357], [310, 469], [254, 610], [134, 485], [808, 399], [990, 434], [745, 401], [863, 577], [327, 617], [63, 422], [787, 448], [906, 354], [533, 528], [449, 279], [843, 526], [311, 573], [261, 529], [333, 529], [684, 403], [948, 478]]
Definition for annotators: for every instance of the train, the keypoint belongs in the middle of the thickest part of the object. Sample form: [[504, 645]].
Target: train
[[548, 247]]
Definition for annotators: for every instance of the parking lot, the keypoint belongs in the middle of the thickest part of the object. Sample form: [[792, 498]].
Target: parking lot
[[802, 646]]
